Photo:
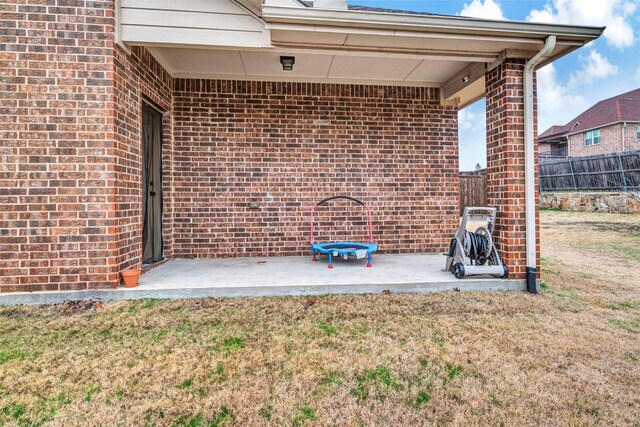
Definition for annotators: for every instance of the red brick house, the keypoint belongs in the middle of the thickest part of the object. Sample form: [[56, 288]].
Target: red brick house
[[135, 131], [611, 125]]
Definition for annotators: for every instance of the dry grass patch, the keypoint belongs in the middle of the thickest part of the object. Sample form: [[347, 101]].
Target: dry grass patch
[[569, 356]]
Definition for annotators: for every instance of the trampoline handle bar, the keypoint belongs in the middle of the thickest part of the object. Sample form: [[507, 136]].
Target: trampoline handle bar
[[370, 223], [353, 199]]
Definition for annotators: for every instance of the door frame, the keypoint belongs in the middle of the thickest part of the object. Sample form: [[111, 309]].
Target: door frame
[[153, 106]]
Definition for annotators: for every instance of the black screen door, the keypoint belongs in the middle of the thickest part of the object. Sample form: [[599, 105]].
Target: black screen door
[[151, 184]]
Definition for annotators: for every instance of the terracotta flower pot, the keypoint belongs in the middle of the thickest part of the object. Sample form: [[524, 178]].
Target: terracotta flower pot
[[130, 277]]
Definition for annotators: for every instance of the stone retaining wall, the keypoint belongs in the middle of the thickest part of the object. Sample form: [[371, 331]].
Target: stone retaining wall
[[591, 202]]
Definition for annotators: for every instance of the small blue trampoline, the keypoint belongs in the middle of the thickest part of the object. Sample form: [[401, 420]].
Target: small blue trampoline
[[344, 249]]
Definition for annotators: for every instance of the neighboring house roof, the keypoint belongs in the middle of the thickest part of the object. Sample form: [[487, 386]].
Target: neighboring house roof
[[551, 133], [620, 108]]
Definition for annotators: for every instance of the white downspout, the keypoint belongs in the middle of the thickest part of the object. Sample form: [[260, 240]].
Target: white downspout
[[529, 163]]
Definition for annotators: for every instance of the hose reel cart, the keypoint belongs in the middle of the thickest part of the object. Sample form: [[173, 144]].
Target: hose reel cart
[[473, 253]]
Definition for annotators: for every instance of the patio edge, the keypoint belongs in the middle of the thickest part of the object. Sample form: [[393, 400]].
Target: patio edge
[[123, 294]]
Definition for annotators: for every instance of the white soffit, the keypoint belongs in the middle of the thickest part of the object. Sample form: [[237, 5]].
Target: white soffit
[[347, 67], [435, 71], [268, 64], [199, 61], [316, 67]]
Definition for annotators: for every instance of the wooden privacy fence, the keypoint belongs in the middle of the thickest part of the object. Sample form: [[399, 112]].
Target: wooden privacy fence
[[473, 189], [603, 172]]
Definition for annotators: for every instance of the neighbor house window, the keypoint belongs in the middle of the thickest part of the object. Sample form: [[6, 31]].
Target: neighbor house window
[[592, 137]]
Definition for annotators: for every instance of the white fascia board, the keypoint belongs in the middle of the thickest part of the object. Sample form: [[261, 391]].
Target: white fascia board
[[432, 23], [398, 32]]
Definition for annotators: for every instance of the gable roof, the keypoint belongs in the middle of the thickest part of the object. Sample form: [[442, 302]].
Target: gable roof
[[620, 108]]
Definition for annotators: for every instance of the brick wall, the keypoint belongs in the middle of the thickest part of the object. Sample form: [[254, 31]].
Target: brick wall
[[632, 142], [138, 76], [544, 148], [285, 146], [505, 162], [70, 178], [610, 141], [70, 158], [56, 150], [553, 149]]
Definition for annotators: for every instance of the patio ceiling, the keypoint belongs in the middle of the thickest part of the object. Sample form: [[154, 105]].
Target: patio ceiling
[[327, 66], [244, 40]]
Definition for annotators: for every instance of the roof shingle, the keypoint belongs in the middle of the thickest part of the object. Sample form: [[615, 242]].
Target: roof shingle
[[620, 108]]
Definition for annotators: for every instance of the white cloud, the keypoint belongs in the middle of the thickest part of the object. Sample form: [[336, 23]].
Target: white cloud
[[614, 14], [487, 9], [471, 120], [594, 67], [472, 136], [556, 105]]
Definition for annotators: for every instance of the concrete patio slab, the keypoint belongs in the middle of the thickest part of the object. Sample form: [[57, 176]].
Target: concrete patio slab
[[280, 276]]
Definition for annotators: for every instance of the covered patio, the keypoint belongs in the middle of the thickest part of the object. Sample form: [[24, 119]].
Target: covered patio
[[299, 276], [304, 101], [221, 123], [284, 276]]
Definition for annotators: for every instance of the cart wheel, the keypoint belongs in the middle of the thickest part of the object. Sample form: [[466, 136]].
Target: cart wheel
[[458, 270], [506, 271]]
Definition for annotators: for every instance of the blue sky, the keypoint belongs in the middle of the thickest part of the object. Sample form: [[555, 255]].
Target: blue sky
[[604, 68]]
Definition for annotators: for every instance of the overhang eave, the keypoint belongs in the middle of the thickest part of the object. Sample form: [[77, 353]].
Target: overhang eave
[[478, 44], [342, 46], [566, 34]]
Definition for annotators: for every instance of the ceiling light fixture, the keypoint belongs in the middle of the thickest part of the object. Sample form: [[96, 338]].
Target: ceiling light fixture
[[287, 62]]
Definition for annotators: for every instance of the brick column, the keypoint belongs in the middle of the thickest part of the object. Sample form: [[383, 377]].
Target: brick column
[[56, 146], [70, 151], [505, 162]]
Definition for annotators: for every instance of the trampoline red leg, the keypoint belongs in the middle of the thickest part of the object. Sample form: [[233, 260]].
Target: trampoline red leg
[[330, 266], [369, 265], [314, 259]]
